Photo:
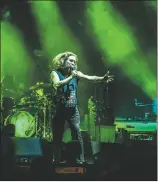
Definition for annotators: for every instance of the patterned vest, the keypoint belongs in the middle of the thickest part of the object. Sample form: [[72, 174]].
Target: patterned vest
[[67, 95]]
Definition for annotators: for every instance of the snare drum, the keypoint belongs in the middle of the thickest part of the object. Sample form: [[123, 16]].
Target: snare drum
[[24, 123]]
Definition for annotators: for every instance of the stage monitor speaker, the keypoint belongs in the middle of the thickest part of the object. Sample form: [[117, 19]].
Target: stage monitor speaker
[[27, 146], [26, 149]]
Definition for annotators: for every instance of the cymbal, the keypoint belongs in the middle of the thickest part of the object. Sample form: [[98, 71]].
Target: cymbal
[[40, 85], [9, 90]]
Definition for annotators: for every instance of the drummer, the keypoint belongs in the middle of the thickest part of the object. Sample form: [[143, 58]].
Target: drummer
[[9, 88]]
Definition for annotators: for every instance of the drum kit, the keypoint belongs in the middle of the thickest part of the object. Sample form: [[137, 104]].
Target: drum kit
[[29, 112]]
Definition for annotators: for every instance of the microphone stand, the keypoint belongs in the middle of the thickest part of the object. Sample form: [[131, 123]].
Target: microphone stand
[[105, 97], [109, 119]]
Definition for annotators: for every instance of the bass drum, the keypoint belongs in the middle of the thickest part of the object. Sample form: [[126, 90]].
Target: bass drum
[[24, 123]]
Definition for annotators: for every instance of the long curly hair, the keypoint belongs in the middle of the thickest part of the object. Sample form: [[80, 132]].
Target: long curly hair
[[59, 60]]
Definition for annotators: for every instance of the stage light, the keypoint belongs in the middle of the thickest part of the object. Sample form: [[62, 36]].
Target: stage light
[[55, 36]]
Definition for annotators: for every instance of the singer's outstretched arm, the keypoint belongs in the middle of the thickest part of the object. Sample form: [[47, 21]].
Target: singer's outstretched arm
[[106, 78]]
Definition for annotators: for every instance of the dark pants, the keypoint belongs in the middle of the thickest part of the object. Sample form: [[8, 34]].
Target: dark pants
[[72, 116]]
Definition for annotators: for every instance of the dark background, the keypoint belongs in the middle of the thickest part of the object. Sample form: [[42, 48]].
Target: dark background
[[122, 91]]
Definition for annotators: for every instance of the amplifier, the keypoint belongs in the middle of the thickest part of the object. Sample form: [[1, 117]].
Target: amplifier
[[124, 136], [140, 136]]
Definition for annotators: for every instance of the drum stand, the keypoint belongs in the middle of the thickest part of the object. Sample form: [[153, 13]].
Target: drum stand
[[47, 115], [49, 121], [36, 127], [44, 130], [44, 118]]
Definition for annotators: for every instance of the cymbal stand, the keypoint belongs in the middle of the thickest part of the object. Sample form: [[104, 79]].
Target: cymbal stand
[[44, 118], [49, 113], [50, 119], [36, 123]]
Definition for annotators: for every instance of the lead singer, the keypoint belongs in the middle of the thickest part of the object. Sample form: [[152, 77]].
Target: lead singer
[[64, 78]]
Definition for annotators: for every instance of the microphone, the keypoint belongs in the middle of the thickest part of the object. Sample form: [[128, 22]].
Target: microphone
[[73, 71], [72, 68]]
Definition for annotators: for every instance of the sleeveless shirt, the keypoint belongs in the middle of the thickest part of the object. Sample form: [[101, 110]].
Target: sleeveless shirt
[[67, 94]]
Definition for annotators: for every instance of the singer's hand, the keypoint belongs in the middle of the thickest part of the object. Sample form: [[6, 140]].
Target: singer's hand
[[74, 73], [108, 78]]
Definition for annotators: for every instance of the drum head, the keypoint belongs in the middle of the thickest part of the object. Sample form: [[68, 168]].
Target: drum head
[[24, 123]]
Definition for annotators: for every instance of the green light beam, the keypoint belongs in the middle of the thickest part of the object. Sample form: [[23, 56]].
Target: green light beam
[[15, 59], [117, 42], [55, 36]]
